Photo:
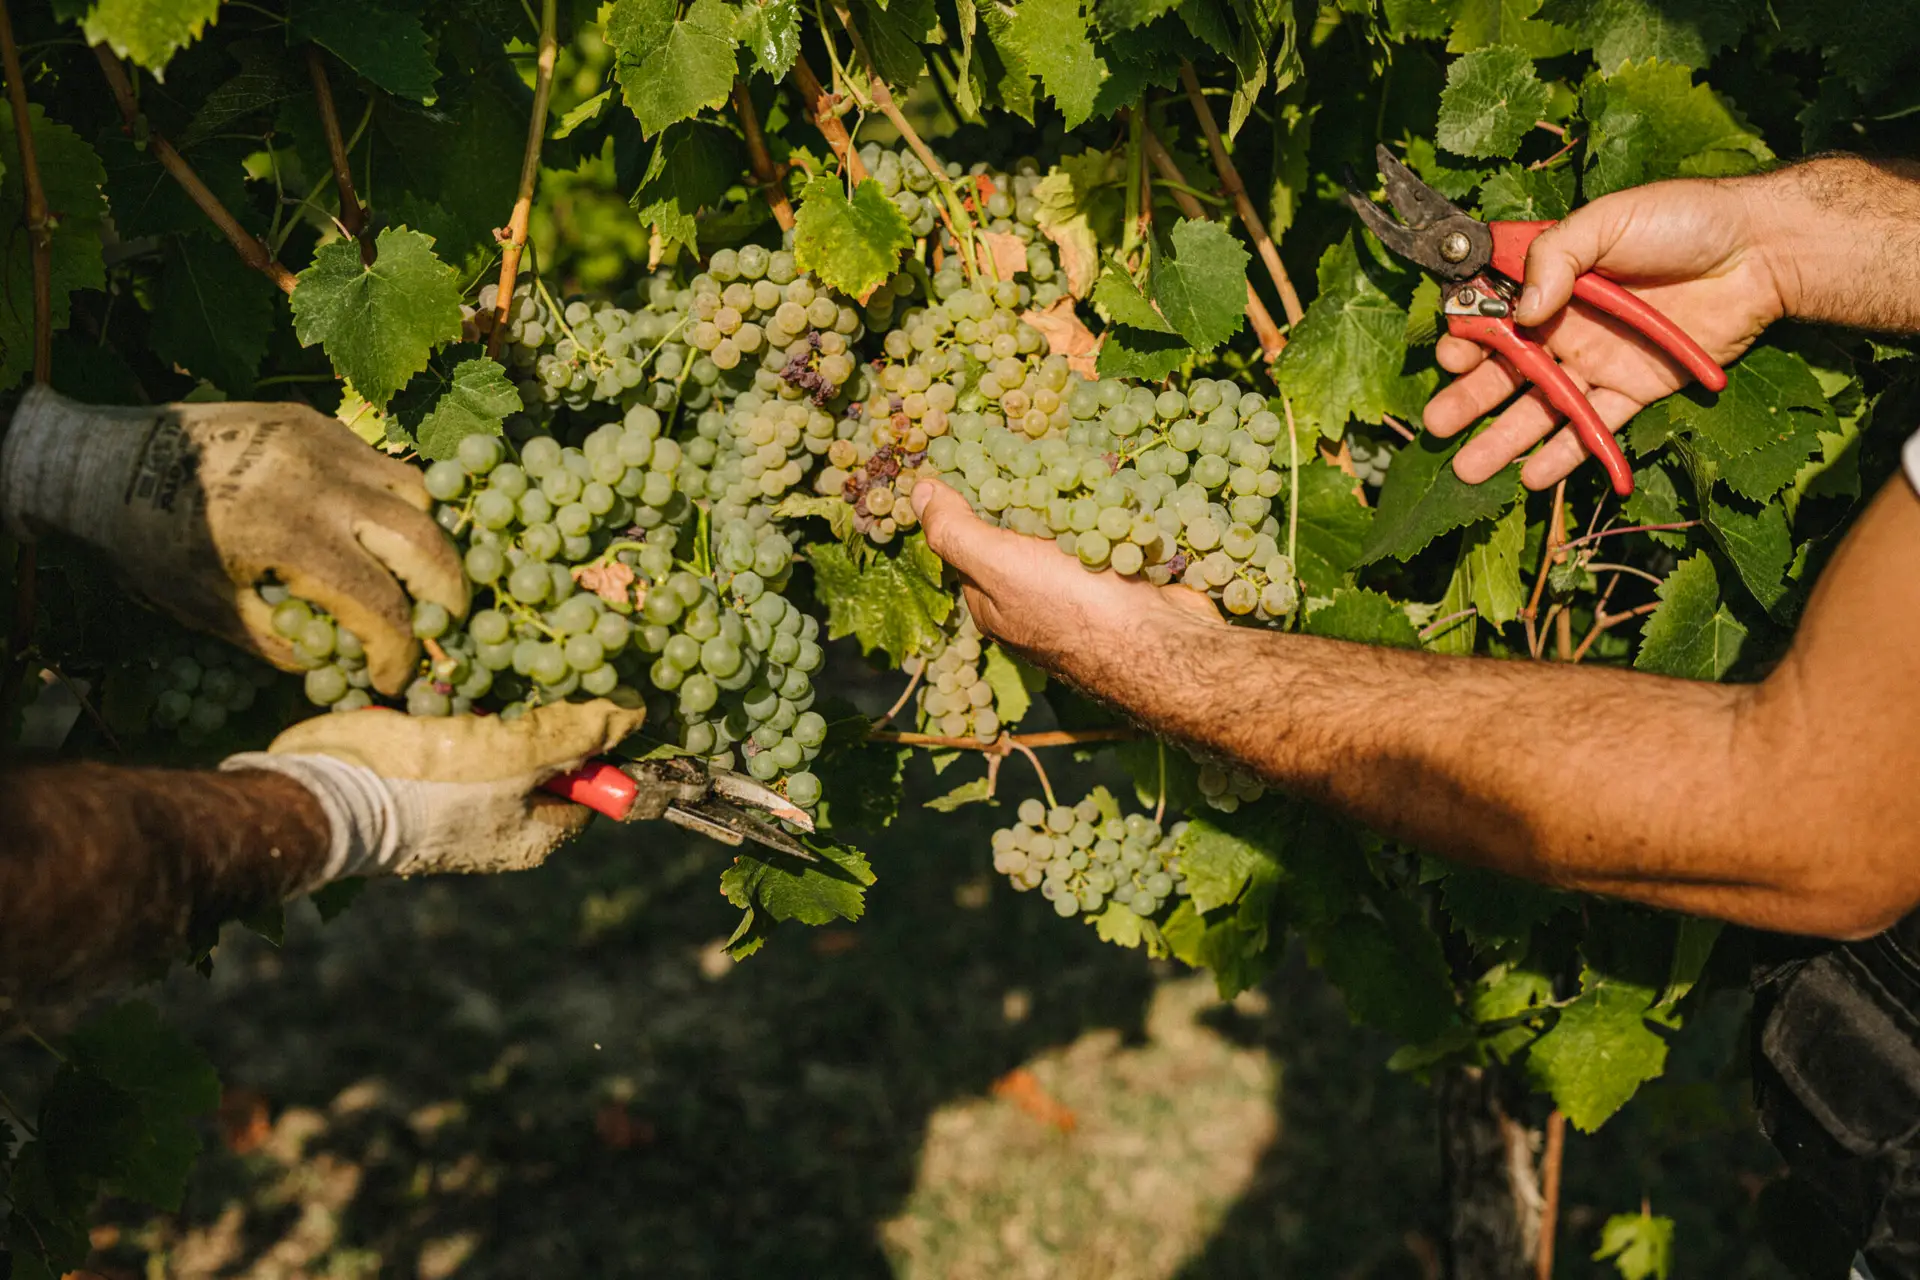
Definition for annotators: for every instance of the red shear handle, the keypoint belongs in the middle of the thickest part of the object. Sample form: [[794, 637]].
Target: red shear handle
[[1533, 363], [602, 787], [1512, 240]]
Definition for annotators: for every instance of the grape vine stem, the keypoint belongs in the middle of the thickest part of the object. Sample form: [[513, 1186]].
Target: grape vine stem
[[40, 237], [252, 250], [1293, 467], [1550, 1163], [1634, 528], [764, 171], [820, 105], [514, 242], [901, 701], [1272, 341], [1006, 742], [1237, 192], [353, 217], [1556, 531]]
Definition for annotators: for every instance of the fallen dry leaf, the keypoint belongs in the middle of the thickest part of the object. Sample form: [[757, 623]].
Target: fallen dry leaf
[[1023, 1089], [611, 581], [1066, 335]]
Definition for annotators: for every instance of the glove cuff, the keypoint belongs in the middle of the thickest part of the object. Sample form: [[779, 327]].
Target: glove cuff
[[69, 466], [363, 818]]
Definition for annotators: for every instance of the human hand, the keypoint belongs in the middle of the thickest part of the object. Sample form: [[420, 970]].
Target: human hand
[[1101, 631], [197, 504], [411, 795], [1699, 251]]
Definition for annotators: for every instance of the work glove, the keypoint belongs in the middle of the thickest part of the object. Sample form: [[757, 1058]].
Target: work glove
[[417, 795], [197, 504]]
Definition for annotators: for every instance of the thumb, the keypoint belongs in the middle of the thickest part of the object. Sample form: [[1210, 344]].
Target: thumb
[[953, 531], [1562, 254]]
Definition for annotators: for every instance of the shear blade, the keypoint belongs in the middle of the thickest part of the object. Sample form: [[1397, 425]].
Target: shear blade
[[743, 790], [730, 825], [1418, 204]]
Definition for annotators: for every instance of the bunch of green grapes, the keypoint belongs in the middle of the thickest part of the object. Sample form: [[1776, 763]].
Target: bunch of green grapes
[[1083, 856], [1225, 788], [585, 354], [332, 656], [955, 700], [757, 450], [764, 324], [1371, 458], [907, 183], [195, 684]]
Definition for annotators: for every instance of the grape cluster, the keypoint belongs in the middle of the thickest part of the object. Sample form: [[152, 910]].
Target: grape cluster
[[586, 353], [1225, 788], [1083, 856], [1371, 458], [332, 656], [955, 701], [196, 684]]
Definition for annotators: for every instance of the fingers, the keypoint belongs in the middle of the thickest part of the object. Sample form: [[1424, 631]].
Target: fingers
[[409, 543], [467, 749], [1471, 397], [563, 735], [1559, 456], [1524, 424], [956, 535], [363, 597], [1562, 254], [1458, 355]]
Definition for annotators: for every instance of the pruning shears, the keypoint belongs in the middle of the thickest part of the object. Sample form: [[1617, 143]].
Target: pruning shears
[[1480, 266], [726, 806]]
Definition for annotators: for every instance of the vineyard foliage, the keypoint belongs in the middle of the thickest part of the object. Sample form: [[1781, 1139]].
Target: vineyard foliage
[[736, 341]]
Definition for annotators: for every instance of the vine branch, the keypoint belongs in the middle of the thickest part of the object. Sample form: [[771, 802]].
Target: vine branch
[[1237, 192], [1006, 742], [1550, 1163], [820, 105], [252, 250], [764, 171], [1272, 341], [353, 217], [514, 240]]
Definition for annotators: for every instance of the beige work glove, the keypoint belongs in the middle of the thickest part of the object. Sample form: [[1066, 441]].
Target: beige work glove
[[198, 503], [415, 795]]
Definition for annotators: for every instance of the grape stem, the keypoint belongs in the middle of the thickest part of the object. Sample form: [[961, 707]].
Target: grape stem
[[1160, 805], [1556, 531], [1398, 427], [1046, 785], [815, 95], [764, 171], [1005, 742], [353, 218], [1293, 497], [1636, 528], [251, 249], [1272, 341], [1237, 192], [40, 237], [513, 237], [1438, 625], [1550, 1162], [901, 701]]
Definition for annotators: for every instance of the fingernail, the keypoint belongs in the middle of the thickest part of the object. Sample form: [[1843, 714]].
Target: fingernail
[[1529, 300], [922, 495]]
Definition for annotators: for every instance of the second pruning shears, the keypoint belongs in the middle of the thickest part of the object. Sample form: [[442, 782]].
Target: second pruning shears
[[1480, 266], [726, 806]]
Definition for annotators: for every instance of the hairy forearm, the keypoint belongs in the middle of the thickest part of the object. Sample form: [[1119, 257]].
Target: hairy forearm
[[106, 872], [1842, 235]]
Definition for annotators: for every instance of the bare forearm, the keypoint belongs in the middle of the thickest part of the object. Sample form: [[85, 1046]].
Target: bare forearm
[[1842, 235], [107, 871]]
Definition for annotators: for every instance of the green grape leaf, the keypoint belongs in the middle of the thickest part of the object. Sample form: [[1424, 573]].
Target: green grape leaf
[[169, 1082], [1355, 613], [1418, 19], [1655, 501], [1866, 42], [581, 116], [1490, 559], [1422, 499], [1693, 944], [1650, 121], [693, 164], [671, 69], [1346, 354], [378, 324], [1126, 304], [975, 792], [71, 175], [1053, 41], [837, 512], [1527, 195], [1391, 971], [1758, 544], [1496, 911], [1003, 674], [834, 888], [266, 79], [476, 403], [1125, 15], [145, 199], [1490, 103], [1599, 1052], [462, 158], [1140, 354], [1640, 1245], [1201, 288], [215, 315], [771, 32], [1333, 527], [895, 32], [894, 603], [1763, 428], [851, 244], [1508, 991], [1480, 24], [385, 43], [1425, 313], [1688, 32], [1120, 926], [1452, 181], [1691, 634], [149, 32], [1220, 864]]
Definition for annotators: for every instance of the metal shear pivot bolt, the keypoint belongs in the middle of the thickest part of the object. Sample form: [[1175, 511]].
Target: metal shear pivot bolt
[[1481, 265]]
